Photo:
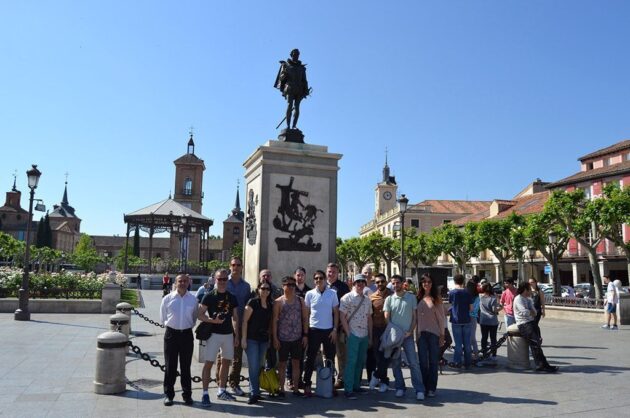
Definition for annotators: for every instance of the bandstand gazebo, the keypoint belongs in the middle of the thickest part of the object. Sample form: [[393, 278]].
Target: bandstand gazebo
[[170, 216]]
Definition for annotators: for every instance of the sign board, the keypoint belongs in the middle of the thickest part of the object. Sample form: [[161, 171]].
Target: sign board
[[547, 269]]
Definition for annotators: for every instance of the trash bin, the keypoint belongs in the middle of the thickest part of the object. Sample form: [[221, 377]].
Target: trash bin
[[517, 349]]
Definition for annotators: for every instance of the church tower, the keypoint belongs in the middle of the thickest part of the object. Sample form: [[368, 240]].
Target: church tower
[[233, 225], [188, 191], [385, 192]]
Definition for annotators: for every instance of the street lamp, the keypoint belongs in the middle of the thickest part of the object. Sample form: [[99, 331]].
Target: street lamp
[[402, 207], [532, 254], [22, 313], [183, 229]]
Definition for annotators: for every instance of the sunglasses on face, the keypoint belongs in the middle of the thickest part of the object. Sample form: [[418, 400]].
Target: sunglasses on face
[[318, 278], [222, 279], [289, 284], [265, 288]]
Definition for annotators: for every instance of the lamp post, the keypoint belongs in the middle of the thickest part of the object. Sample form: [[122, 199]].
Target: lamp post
[[532, 254], [183, 244], [553, 241], [402, 207], [22, 313]]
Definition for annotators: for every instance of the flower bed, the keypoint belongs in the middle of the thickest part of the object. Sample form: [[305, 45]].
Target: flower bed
[[62, 285]]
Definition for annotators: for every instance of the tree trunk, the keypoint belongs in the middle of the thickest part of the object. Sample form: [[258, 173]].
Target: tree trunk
[[597, 278], [555, 274], [626, 251], [521, 273]]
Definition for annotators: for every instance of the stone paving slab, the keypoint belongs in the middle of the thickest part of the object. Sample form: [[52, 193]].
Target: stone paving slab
[[48, 368]]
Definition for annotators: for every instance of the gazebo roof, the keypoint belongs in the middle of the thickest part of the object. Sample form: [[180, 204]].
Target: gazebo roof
[[166, 212]]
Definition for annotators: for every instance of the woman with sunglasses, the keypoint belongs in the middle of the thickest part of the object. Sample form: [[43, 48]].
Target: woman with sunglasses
[[256, 326], [430, 331]]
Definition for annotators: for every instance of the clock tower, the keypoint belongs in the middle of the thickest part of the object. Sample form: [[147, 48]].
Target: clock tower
[[385, 192]]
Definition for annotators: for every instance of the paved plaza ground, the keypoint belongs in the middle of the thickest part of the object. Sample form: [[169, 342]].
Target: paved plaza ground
[[48, 368]]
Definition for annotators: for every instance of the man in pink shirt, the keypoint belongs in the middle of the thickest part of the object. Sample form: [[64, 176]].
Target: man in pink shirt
[[507, 299]]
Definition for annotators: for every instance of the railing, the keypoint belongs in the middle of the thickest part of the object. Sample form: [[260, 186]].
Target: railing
[[586, 303], [53, 293]]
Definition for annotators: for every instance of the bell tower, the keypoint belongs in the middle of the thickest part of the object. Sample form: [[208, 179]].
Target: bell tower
[[385, 192]]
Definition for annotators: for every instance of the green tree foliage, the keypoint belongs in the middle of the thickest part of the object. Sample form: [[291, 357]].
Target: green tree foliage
[[11, 249], [214, 265], [420, 248], [382, 248], [237, 250], [614, 212], [358, 252], [85, 255], [341, 251], [459, 243], [579, 216]]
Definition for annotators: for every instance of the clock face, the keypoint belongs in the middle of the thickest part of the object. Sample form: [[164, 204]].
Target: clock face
[[387, 195]]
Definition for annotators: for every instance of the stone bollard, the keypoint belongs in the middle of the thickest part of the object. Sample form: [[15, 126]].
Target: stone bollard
[[119, 322], [111, 352], [125, 308], [517, 349]]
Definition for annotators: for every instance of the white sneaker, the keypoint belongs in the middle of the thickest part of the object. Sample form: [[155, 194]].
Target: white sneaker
[[431, 394], [383, 388], [400, 393], [420, 396], [605, 326], [373, 382]]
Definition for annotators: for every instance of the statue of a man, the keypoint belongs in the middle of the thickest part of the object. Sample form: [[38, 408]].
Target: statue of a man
[[291, 81]]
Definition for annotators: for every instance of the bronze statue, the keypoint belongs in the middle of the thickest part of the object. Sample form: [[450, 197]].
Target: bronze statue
[[291, 81]]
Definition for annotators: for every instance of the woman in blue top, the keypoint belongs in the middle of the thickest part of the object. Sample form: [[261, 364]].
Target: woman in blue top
[[471, 287], [461, 305]]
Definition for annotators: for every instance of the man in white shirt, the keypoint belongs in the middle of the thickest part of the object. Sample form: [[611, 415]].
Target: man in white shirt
[[612, 298], [178, 313]]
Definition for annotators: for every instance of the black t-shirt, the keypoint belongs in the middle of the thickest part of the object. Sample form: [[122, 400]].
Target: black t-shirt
[[220, 305], [258, 324], [340, 287], [302, 293]]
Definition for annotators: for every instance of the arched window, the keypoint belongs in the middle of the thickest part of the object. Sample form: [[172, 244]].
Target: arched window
[[188, 186]]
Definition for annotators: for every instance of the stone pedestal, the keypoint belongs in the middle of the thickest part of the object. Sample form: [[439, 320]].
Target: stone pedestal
[[291, 209], [517, 349]]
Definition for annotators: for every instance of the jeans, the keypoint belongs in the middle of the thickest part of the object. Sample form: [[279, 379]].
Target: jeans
[[509, 320], [409, 348], [381, 362], [473, 335], [429, 355], [529, 332], [461, 336], [317, 337], [488, 330], [255, 356], [356, 352]]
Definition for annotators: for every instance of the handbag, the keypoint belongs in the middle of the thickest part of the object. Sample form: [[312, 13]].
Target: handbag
[[203, 331], [268, 380]]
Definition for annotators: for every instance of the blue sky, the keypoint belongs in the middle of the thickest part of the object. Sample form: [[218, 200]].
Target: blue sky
[[473, 99]]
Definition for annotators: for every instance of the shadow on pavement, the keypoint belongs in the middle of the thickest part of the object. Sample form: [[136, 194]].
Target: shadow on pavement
[[476, 398], [593, 369], [68, 325], [579, 347]]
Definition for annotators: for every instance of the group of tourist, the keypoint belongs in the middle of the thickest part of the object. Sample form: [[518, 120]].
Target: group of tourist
[[371, 325]]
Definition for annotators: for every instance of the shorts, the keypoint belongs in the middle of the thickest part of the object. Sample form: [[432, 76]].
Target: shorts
[[611, 308], [290, 347], [222, 342]]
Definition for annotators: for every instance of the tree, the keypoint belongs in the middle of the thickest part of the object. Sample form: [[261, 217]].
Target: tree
[[136, 242], [39, 242], [505, 238], [614, 212], [85, 255], [384, 249], [420, 248], [459, 243], [237, 250], [358, 251], [341, 251]]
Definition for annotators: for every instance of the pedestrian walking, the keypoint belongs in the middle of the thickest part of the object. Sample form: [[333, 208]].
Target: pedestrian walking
[[430, 332]]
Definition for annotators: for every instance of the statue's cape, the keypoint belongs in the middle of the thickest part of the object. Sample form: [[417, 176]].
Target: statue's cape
[[277, 83]]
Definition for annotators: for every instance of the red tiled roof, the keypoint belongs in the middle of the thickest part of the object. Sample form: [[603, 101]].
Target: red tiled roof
[[526, 205], [455, 206], [475, 217], [619, 146], [596, 173]]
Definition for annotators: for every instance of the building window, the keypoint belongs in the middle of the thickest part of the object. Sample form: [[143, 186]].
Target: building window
[[589, 166], [236, 230], [415, 223], [446, 221], [187, 186]]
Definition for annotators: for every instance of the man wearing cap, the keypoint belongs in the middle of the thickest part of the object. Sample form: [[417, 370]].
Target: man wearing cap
[[178, 313], [355, 311], [507, 301]]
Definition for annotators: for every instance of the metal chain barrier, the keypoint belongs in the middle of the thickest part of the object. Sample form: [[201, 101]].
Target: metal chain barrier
[[149, 320], [486, 353]]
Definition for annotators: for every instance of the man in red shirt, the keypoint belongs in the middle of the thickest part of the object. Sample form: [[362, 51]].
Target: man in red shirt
[[507, 299]]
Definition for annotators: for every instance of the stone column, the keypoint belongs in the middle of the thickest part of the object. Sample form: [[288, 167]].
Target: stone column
[[603, 268], [576, 273], [291, 209]]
